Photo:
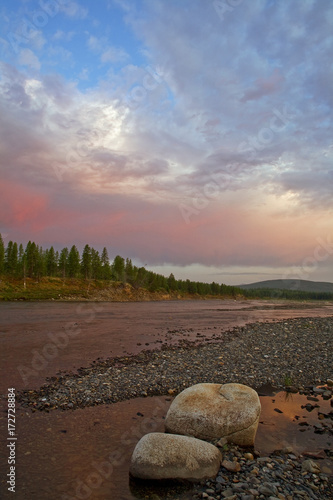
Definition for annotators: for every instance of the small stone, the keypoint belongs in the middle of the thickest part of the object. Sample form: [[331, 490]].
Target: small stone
[[248, 456], [311, 466], [286, 450], [231, 466], [228, 493], [329, 382], [255, 471], [268, 489], [222, 442], [315, 454]]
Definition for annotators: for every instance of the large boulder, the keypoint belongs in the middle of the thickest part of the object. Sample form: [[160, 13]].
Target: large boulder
[[168, 456], [210, 411]]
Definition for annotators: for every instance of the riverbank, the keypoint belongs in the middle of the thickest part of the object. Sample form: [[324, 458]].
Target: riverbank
[[295, 352], [74, 289]]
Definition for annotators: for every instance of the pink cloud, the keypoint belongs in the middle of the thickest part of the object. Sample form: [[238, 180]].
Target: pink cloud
[[264, 86]]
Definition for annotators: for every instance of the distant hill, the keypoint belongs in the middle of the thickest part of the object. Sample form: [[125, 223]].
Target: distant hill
[[292, 284]]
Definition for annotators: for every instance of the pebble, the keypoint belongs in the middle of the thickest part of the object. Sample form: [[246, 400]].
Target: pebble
[[302, 481]]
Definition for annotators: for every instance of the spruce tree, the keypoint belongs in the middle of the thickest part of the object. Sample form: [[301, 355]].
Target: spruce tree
[[105, 262], [129, 272], [20, 261], [96, 264], [51, 263], [2, 256], [86, 262], [63, 259], [73, 262], [118, 269]]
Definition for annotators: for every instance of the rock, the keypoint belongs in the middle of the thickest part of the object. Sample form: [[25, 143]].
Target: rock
[[231, 466], [310, 466], [314, 454], [169, 456], [227, 493], [329, 382], [213, 411], [248, 456], [268, 489]]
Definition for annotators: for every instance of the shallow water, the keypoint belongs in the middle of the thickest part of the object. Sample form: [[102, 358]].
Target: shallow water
[[37, 339], [85, 453]]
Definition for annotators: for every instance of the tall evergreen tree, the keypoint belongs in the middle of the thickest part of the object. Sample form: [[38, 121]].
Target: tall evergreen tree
[[63, 259], [8, 256], [73, 262], [172, 283], [40, 264], [118, 268], [96, 264], [11, 258], [105, 262], [51, 262], [86, 262], [129, 272], [32, 258], [2, 256]]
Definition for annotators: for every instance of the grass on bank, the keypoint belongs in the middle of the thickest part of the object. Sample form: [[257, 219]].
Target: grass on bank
[[52, 288], [13, 289]]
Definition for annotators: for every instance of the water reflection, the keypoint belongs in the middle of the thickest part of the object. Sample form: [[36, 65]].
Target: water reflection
[[84, 454]]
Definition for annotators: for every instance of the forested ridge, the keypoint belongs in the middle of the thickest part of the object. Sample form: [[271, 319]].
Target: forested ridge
[[35, 263]]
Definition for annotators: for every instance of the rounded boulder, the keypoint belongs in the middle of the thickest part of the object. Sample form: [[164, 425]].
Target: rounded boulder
[[169, 456], [213, 411]]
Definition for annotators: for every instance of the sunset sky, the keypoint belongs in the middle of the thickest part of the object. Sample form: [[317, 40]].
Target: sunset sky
[[194, 136]]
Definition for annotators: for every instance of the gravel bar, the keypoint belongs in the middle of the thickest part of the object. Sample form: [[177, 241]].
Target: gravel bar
[[294, 351]]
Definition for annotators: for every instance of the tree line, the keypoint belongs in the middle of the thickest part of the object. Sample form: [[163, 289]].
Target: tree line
[[276, 293], [35, 262]]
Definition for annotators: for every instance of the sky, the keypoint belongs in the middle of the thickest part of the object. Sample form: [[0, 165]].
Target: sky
[[193, 136]]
